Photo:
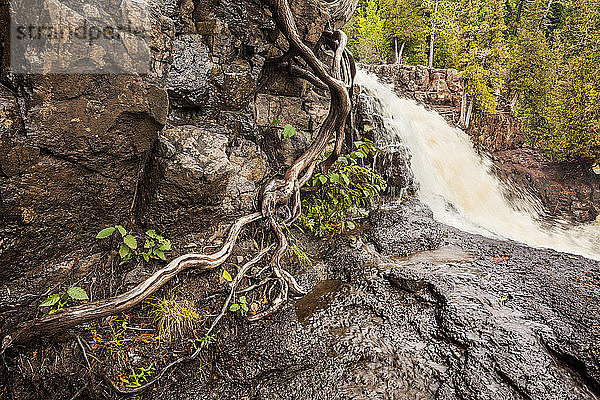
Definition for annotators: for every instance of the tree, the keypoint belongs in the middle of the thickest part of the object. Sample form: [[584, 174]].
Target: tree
[[370, 42], [280, 196], [530, 80]]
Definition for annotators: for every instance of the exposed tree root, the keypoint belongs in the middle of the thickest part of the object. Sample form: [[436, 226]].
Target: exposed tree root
[[234, 285], [280, 194], [51, 324]]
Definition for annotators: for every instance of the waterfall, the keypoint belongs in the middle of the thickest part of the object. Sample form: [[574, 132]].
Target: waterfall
[[458, 185]]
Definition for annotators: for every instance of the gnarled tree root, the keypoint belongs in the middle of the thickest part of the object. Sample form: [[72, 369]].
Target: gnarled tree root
[[51, 324], [279, 193], [234, 285]]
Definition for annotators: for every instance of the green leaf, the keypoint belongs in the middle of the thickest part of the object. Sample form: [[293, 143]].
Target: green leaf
[[51, 300], [244, 307], [146, 257], [130, 242], [234, 307], [124, 250], [334, 178], [345, 178], [166, 245], [122, 230], [323, 179], [243, 300], [343, 159], [276, 122], [106, 232], [161, 255], [288, 131], [77, 293], [227, 276], [350, 224], [151, 233]]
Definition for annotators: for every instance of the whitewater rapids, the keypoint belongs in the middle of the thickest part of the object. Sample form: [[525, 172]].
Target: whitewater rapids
[[458, 185]]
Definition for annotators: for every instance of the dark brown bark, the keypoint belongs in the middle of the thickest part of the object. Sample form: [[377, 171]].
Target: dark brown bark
[[518, 16]]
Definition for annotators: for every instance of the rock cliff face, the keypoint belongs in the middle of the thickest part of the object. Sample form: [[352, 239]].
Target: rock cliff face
[[413, 309], [567, 192], [179, 149]]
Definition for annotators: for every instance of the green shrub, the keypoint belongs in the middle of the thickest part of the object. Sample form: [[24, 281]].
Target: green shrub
[[342, 193]]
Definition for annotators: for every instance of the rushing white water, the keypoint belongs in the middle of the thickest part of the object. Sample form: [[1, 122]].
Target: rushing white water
[[456, 182]]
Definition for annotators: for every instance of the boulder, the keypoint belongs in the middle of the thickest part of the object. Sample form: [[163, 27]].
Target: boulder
[[199, 175]]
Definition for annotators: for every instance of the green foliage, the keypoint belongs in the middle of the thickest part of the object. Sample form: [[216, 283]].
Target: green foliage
[[554, 74], [296, 250], [531, 77], [368, 37], [542, 55], [175, 317], [574, 112], [155, 245], [240, 306], [204, 341], [341, 193], [138, 376], [288, 131], [58, 301]]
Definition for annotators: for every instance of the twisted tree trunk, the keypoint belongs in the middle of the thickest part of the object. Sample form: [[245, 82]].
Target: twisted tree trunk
[[278, 193]]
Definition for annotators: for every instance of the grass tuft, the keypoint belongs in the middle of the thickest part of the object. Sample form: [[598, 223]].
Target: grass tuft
[[174, 316]]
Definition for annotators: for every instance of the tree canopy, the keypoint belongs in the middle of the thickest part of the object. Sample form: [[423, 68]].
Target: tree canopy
[[540, 56]]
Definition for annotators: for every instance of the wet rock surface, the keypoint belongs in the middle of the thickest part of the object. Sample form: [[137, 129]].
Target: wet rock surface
[[566, 191], [473, 318]]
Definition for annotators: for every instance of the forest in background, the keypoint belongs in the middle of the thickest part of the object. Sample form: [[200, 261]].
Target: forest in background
[[539, 58]]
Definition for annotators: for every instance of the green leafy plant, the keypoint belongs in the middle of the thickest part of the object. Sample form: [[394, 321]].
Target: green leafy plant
[[205, 341], [240, 306], [342, 193], [154, 246], [175, 317], [138, 376], [296, 249], [58, 301], [288, 130]]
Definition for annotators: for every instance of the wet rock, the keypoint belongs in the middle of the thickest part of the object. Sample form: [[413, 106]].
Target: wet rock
[[73, 166], [190, 70], [570, 193], [394, 164], [458, 322], [201, 175]]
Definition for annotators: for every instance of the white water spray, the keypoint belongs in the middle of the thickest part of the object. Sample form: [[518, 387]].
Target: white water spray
[[456, 182]]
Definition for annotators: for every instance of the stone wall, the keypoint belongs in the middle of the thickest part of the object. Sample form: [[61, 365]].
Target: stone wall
[[442, 90]]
